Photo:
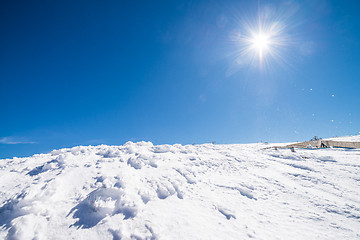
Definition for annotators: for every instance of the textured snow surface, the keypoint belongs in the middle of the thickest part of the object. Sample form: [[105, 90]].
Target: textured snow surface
[[141, 191], [355, 138]]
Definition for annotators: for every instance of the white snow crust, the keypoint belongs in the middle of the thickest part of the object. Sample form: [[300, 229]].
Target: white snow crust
[[142, 191], [355, 138]]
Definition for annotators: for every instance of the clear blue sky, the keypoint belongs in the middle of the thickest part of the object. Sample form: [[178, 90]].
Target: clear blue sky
[[92, 72]]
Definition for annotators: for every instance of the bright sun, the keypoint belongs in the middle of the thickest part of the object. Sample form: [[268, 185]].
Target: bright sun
[[261, 43]]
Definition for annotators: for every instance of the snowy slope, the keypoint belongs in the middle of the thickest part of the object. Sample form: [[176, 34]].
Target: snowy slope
[[355, 138], [141, 191]]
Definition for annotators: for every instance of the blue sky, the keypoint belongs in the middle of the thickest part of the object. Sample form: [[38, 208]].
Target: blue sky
[[107, 72]]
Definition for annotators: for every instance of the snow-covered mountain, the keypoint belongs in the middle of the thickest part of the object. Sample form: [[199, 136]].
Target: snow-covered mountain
[[142, 191]]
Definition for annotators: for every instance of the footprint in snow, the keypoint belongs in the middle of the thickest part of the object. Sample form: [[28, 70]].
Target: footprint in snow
[[165, 190], [189, 176], [100, 203], [246, 193], [226, 212]]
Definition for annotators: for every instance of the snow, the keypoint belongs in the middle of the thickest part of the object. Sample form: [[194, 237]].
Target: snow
[[142, 191], [355, 138]]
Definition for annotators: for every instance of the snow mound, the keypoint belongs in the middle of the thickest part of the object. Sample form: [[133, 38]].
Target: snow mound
[[142, 191]]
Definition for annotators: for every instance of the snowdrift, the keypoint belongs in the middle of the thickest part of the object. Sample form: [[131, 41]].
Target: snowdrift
[[142, 191]]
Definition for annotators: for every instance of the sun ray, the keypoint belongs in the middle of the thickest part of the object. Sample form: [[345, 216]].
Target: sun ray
[[261, 42]]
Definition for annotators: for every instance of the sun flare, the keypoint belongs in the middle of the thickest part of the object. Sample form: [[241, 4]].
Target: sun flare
[[260, 43]]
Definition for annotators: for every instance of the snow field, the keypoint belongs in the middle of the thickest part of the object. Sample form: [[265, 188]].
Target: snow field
[[142, 191], [355, 138]]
